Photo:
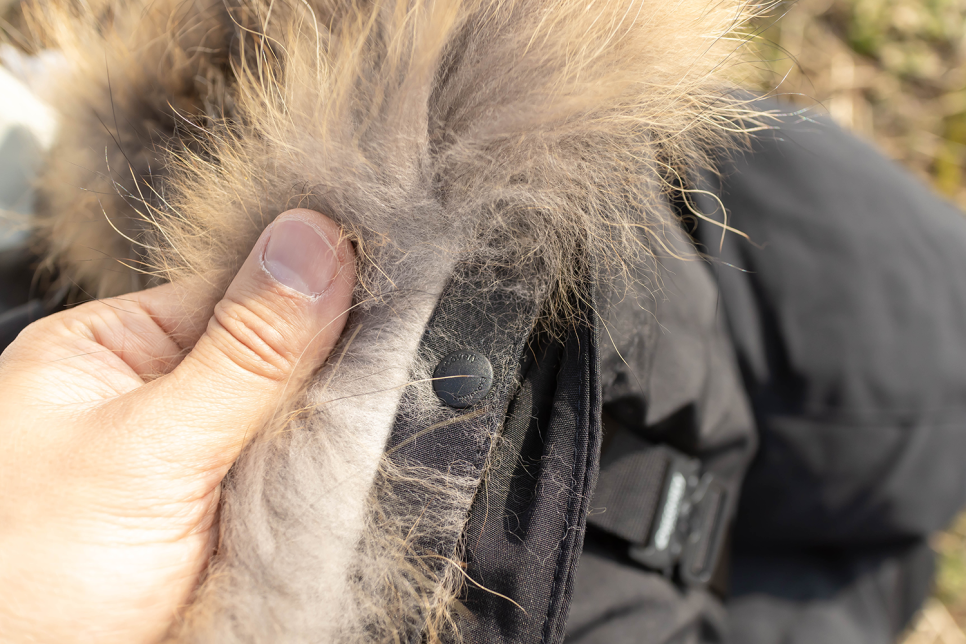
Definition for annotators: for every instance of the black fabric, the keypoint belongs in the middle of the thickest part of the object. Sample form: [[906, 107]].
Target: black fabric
[[853, 596], [848, 314], [17, 269], [525, 531], [631, 480], [669, 377], [495, 322], [525, 527], [846, 317], [19, 306], [14, 320], [618, 602], [476, 313]]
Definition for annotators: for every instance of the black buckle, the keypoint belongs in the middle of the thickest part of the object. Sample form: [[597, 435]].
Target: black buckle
[[689, 528]]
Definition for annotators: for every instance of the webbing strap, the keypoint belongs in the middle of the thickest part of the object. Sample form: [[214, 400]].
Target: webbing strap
[[629, 487], [657, 500]]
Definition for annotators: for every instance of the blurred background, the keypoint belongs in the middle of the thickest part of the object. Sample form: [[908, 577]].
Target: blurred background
[[892, 71]]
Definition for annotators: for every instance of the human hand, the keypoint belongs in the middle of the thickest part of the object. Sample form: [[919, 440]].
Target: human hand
[[110, 476]]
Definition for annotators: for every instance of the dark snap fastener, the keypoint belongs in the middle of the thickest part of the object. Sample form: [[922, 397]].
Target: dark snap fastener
[[462, 378]]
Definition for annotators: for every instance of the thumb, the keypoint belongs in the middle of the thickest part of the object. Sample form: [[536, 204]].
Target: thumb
[[276, 324]]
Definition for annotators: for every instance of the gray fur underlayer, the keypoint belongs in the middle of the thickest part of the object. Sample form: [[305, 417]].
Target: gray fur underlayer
[[296, 506]]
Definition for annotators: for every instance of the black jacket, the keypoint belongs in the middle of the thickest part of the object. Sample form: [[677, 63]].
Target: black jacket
[[845, 315]]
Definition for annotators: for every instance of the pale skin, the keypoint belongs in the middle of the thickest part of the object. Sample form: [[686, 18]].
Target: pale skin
[[119, 420]]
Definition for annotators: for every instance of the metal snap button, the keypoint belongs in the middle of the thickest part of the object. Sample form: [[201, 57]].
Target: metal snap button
[[462, 378]]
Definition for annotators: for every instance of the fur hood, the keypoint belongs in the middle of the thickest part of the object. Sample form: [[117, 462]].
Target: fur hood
[[531, 139]]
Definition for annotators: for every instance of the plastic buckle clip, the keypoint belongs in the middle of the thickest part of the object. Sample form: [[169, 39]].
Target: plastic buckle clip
[[690, 526]]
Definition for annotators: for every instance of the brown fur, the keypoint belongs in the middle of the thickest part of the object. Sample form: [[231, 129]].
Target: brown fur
[[540, 136]]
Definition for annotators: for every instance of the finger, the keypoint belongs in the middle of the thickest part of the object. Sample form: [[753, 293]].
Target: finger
[[115, 338], [123, 327], [276, 324], [182, 309]]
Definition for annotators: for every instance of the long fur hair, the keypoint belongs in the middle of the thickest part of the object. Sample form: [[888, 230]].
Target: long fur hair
[[532, 138]]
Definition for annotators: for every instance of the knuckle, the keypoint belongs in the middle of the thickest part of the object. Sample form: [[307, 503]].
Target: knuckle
[[43, 337], [248, 337]]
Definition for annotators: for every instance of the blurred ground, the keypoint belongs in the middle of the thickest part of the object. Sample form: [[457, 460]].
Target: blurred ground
[[951, 580], [894, 72]]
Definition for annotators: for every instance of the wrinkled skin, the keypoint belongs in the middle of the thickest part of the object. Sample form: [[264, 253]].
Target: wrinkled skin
[[114, 441]]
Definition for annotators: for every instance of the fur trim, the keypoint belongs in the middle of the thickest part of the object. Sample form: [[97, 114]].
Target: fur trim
[[534, 136]]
